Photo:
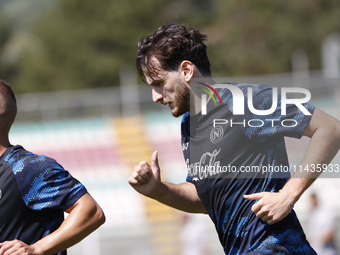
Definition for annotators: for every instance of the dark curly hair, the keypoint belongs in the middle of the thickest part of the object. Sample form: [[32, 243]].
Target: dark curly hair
[[171, 44]]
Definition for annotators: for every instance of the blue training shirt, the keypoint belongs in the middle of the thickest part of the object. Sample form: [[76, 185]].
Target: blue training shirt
[[35, 192], [221, 149]]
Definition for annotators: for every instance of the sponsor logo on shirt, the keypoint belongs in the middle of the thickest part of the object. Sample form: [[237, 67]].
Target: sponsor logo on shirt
[[207, 167]]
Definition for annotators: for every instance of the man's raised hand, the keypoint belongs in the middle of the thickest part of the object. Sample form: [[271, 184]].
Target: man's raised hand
[[146, 178]]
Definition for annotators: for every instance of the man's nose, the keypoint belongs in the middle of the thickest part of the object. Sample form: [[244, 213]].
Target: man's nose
[[157, 94]]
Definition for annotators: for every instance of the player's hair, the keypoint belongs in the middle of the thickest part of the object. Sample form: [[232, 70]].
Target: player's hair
[[8, 106], [170, 45]]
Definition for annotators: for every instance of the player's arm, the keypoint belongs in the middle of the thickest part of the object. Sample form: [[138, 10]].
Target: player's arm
[[181, 196], [146, 180], [84, 217], [324, 131]]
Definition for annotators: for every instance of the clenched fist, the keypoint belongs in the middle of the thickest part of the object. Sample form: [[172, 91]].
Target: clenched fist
[[146, 178], [16, 247]]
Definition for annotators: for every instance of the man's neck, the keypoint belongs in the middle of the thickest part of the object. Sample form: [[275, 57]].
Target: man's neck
[[4, 144]]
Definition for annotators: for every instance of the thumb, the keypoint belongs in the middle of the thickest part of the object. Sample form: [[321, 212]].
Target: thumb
[[154, 160], [255, 196]]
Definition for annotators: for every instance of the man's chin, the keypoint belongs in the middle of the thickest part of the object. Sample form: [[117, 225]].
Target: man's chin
[[177, 112]]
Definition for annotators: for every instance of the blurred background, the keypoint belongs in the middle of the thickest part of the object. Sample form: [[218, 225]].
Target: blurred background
[[71, 64]]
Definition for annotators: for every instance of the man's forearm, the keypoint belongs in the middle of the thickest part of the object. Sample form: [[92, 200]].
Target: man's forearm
[[85, 216], [182, 196], [323, 146], [146, 180]]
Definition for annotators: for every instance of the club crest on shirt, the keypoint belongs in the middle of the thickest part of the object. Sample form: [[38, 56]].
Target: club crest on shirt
[[216, 134]]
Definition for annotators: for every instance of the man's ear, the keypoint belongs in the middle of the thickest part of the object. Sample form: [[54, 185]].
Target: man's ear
[[187, 69]]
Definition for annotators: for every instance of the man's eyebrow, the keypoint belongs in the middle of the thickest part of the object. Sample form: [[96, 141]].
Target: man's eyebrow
[[155, 82]]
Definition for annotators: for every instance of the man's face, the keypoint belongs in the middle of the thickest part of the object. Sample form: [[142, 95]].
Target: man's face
[[169, 88]]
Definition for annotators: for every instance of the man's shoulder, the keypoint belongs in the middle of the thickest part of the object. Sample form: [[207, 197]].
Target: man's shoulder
[[20, 158]]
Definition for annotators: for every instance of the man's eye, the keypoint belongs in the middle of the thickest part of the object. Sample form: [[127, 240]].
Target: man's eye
[[157, 84]]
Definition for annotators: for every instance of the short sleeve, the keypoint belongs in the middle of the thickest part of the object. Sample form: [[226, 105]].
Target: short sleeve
[[44, 183]]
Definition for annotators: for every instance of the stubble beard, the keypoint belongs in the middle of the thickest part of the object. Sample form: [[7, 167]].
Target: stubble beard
[[182, 100]]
